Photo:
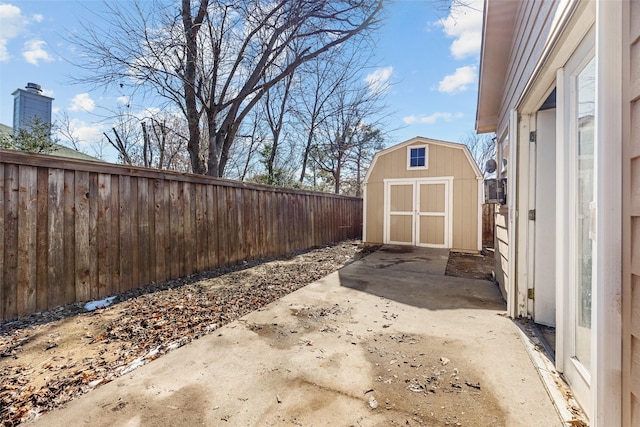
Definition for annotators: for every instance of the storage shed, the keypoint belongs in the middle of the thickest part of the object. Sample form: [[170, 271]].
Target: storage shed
[[424, 192]]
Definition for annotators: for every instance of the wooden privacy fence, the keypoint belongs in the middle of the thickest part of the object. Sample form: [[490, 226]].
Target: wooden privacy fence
[[74, 230], [488, 224]]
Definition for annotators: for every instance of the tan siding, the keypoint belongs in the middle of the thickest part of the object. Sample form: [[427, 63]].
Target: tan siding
[[443, 161], [533, 24], [465, 214], [635, 70], [635, 306], [502, 249], [375, 211], [635, 367], [631, 231]]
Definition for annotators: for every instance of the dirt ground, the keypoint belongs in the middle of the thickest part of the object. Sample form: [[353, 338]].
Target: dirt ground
[[471, 266], [48, 359]]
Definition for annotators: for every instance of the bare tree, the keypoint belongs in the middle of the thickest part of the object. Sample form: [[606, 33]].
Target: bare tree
[[350, 131], [482, 147], [210, 57], [275, 105], [65, 131], [322, 77]]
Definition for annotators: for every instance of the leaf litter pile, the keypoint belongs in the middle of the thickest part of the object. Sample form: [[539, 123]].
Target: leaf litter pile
[[49, 358]]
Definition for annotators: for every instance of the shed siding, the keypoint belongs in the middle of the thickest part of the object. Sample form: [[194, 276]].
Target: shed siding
[[465, 214], [375, 211], [631, 225], [443, 161]]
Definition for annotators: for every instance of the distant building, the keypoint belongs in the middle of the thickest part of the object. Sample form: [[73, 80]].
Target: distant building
[[30, 103]]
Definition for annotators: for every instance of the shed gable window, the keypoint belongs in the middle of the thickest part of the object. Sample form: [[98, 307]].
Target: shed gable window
[[418, 157]]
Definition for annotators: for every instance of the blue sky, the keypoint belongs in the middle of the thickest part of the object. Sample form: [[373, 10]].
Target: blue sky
[[429, 57]]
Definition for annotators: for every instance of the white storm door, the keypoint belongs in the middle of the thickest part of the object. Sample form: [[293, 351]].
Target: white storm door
[[578, 221], [433, 214], [399, 218]]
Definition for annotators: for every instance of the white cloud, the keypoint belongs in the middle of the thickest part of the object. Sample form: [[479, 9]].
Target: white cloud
[[34, 51], [84, 132], [464, 24], [378, 81], [458, 81], [123, 100], [11, 24], [38, 18], [432, 119], [82, 102]]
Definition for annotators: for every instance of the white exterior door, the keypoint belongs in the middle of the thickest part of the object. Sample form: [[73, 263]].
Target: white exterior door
[[418, 212], [577, 260]]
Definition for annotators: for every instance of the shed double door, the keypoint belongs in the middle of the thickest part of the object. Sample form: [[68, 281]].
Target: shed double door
[[418, 212]]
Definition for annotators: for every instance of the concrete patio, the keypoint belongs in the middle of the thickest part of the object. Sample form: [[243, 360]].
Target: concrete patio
[[387, 340]]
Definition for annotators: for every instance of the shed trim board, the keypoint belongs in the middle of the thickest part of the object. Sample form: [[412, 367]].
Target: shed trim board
[[417, 211]]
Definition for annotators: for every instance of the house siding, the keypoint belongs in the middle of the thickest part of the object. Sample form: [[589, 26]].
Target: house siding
[[533, 25], [631, 221], [502, 249]]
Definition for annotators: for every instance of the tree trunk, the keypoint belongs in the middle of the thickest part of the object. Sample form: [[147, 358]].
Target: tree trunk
[[191, 28]]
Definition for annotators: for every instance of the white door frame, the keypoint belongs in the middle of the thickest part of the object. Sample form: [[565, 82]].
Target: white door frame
[[579, 376], [416, 211], [606, 343]]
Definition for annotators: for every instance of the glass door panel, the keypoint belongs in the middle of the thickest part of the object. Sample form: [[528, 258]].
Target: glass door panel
[[585, 91]]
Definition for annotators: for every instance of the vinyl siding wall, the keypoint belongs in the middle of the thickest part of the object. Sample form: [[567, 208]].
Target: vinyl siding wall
[[631, 221]]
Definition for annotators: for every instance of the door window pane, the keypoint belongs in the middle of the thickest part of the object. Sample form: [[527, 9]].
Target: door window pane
[[585, 208]]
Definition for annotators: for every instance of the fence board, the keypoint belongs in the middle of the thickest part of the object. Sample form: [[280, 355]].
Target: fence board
[[104, 241], [11, 240], [223, 224], [69, 238], [2, 241], [82, 249], [488, 224], [150, 274], [200, 230], [189, 237], [55, 259], [73, 231], [143, 265], [162, 229], [26, 267], [134, 226], [212, 227], [114, 251], [93, 236], [125, 241], [42, 239]]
